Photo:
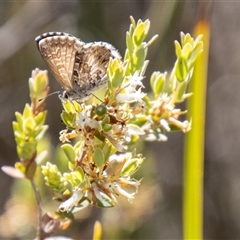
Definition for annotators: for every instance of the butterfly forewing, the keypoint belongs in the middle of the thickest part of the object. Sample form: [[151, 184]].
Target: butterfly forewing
[[78, 67], [58, 51]]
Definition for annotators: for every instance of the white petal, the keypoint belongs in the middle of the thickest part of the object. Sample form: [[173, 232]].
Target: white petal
[[71, 202]]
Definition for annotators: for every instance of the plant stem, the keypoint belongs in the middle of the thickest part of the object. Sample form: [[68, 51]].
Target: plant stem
[[39, 235], [194, 143]]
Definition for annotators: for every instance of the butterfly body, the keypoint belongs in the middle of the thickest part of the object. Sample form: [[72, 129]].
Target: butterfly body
[[80, 68]]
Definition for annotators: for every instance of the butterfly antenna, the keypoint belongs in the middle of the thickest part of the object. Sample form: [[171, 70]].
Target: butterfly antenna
[[97, 97], [50, 94]]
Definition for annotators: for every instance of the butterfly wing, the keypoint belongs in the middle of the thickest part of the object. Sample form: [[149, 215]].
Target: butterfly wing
[[59, 51], [90, 68]]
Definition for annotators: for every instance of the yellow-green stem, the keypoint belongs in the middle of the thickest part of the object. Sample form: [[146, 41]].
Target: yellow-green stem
[[194, 144], [97, 231]]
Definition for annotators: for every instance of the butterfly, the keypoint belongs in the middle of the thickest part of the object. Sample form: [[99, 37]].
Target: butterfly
[[80, 68]]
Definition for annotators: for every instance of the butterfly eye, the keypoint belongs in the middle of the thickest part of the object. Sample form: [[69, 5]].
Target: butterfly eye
[[63, 95]]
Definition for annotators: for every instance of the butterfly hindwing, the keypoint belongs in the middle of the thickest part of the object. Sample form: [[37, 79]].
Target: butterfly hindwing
[[92, 67]]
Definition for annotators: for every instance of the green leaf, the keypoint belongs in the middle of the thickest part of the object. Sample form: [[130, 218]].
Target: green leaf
[[106, 120], [129, 44], [41, 132], [75, 178], [127, 57], [98, 157], [140, 120], [69, 152], [181, 69], [117, 77], [139, 57], [107, 127], [27, 150], [113, 65], [109, 80], [99, 136], [19, 118], [68, 118], [71, 106], [138, 34], [144, 67], [188, 39], [131, 166], [17, 128], [27, 112], [157, 82], [181, 90], [178, 49], [133, 23], [128, 65], [29, 124], [106, 151], [80, 174], [41, 82], [40, 118], [196, 51], [187, 50], [153, 79], [182, 36], [141, 31]]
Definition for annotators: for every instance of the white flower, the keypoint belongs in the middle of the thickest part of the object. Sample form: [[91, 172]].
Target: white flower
[[96, 190], [165, 125], [133, 129], [130, 92], [85, 120], [63, 136], [152, 136], [117, 189], [72, 201], [130, 182], [130, 97], [119, 157], [134, 81], [121, 130], [184, 126], [102, 197]]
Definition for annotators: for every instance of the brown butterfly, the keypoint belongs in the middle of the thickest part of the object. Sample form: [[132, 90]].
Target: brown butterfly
[[80, 68]]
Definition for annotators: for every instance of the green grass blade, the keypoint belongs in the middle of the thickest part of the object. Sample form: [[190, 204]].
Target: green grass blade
[[194, 144]]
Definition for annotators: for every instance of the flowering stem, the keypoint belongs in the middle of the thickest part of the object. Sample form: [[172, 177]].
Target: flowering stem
[[38, 199]]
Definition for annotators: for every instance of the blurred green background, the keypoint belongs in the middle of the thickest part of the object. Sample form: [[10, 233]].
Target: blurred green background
[[157, 210]]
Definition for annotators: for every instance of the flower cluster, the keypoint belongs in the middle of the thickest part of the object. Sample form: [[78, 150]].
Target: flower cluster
[[103, 159]]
